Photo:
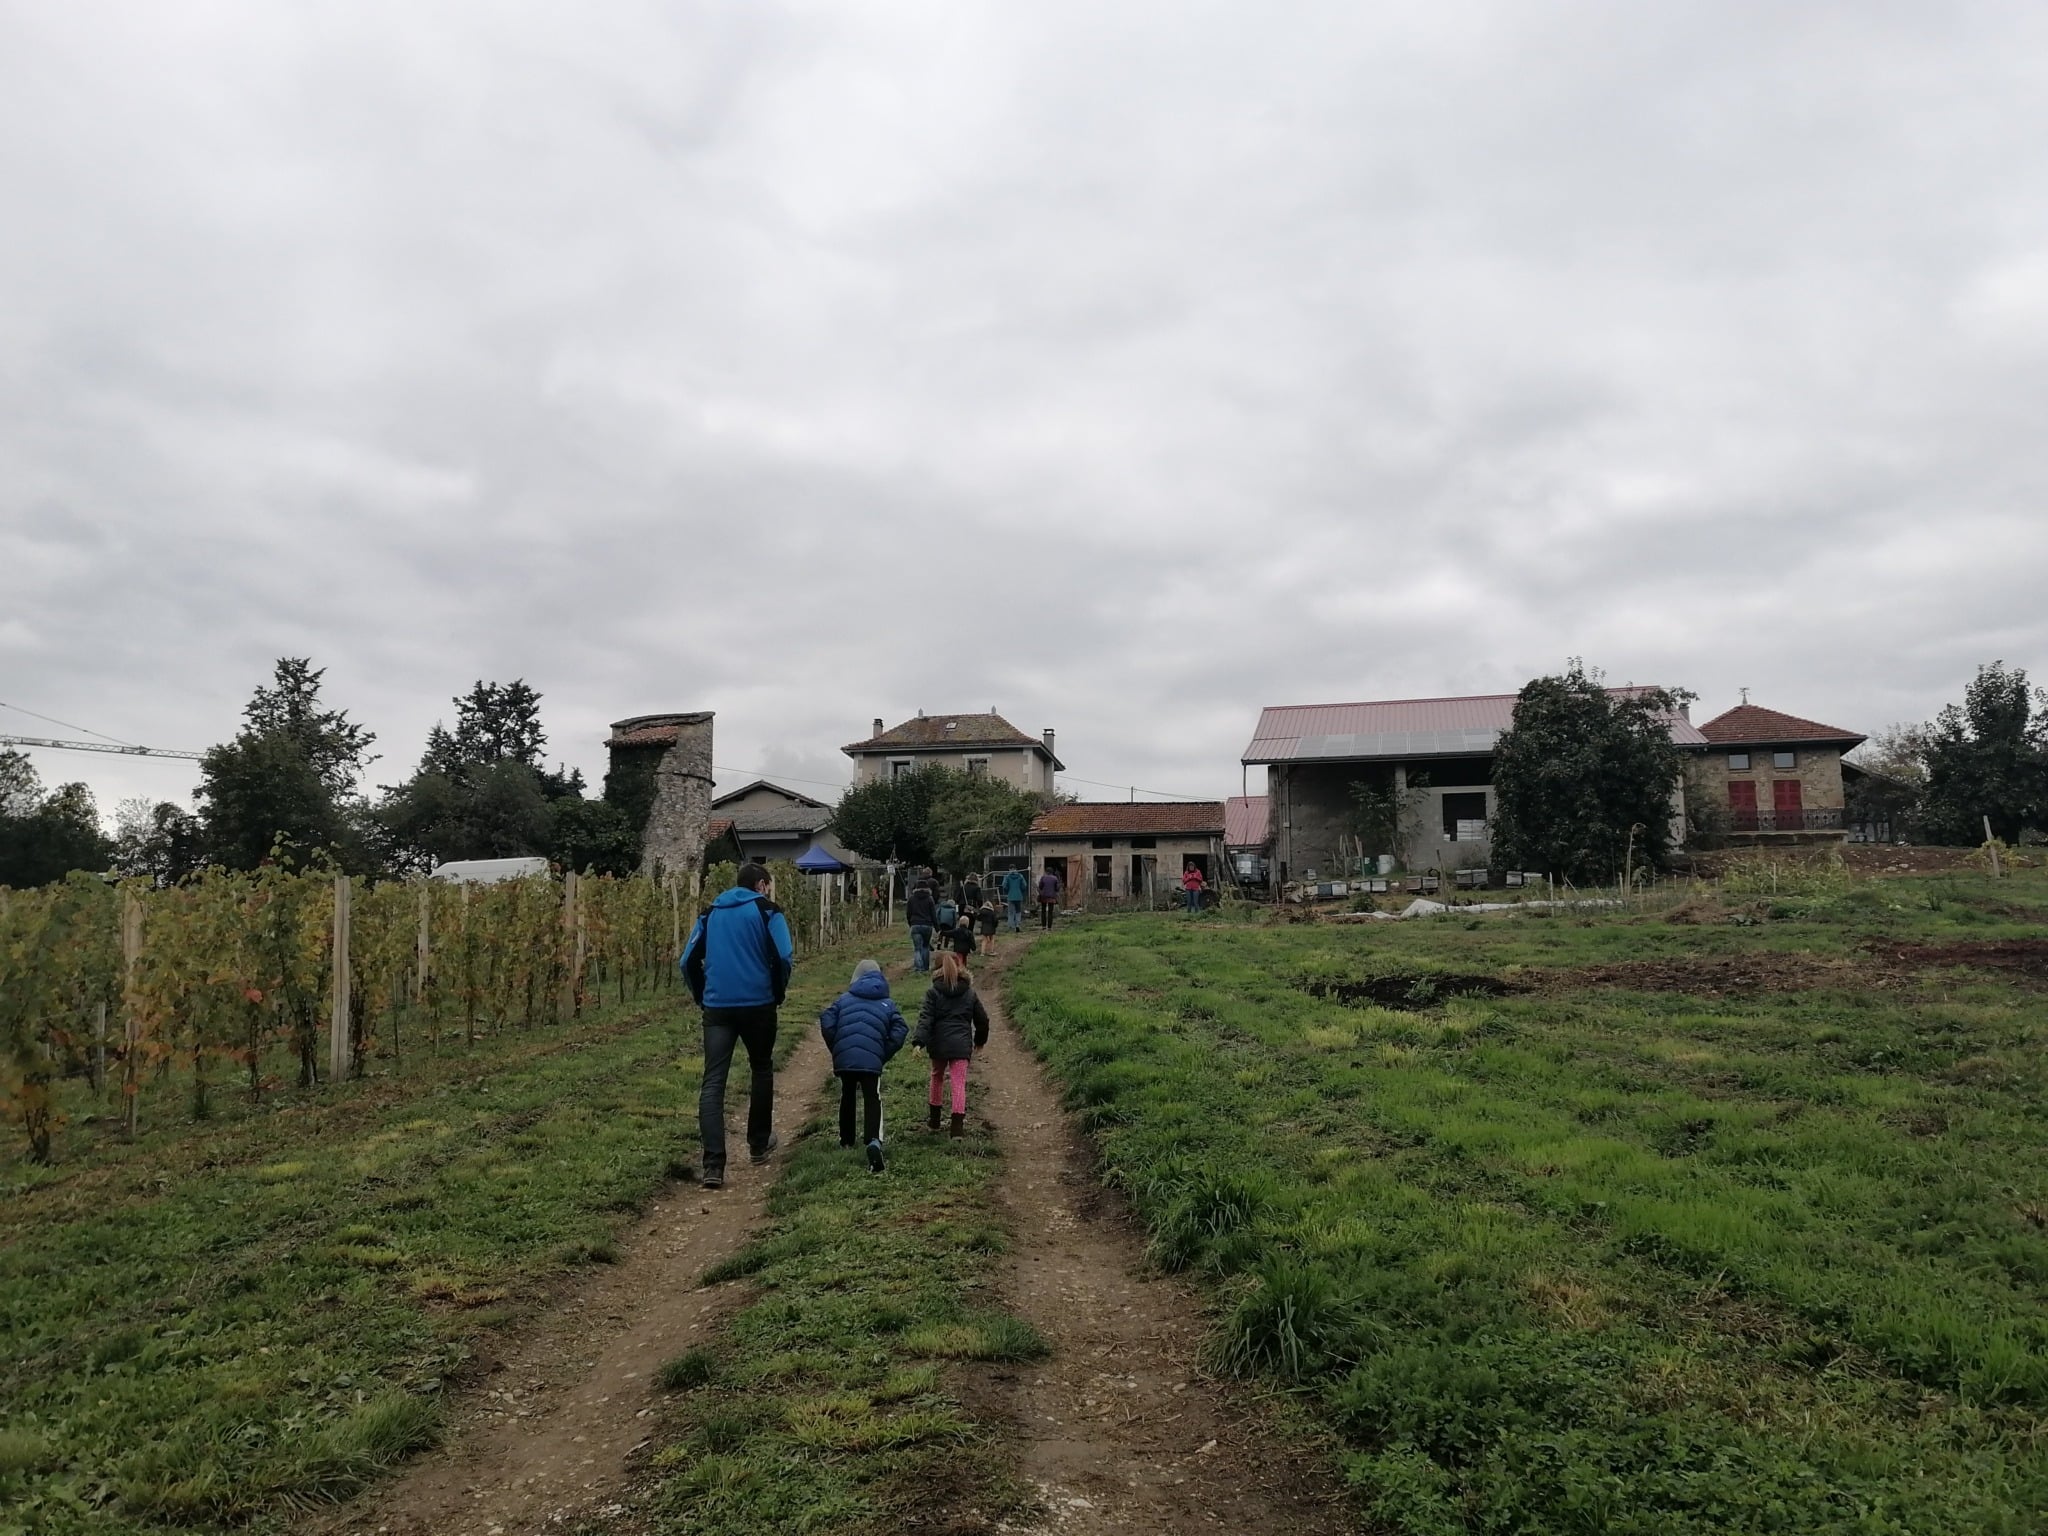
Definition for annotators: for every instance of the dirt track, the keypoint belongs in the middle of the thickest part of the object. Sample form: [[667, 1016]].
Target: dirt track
[[1119, 1430], [548, 1434]]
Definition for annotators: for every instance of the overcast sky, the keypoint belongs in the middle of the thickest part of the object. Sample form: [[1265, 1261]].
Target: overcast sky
[[1123, 367]]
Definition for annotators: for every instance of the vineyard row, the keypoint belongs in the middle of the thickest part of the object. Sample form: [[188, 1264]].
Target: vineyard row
[[250, 979]]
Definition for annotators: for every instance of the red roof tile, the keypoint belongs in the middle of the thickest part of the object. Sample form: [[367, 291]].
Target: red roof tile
[[1124, 818], [652, 730], [930, 731], [1751, 725], [1245, 821]]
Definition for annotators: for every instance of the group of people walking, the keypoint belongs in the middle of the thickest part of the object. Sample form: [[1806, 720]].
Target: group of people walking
[[737, 965], [964, 919]]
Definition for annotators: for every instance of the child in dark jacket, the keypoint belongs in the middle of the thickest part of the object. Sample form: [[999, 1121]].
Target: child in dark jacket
[[950, 1025], [961, 937], [864, 1028], [985, 926]]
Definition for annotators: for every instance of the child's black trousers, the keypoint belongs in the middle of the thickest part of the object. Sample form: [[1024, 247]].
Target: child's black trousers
[[868, 1084]]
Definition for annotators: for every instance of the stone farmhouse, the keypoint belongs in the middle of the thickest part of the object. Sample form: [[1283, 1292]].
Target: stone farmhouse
[[1434, 757], [985, 743], [1767, 777], [1127, 850]]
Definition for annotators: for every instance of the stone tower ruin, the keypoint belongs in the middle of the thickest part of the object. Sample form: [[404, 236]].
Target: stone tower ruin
[[661, 774]]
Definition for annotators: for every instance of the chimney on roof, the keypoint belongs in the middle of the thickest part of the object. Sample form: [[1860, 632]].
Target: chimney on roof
[[920, 714], [1048, 742], [878, 726]]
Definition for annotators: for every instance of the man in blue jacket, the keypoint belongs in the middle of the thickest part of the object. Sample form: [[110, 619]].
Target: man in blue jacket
[[1016, 886], [737, 965]]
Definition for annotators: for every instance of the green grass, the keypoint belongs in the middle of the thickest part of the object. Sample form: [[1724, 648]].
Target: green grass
[[835, 1399], [1583, 1258], [234, 1320]]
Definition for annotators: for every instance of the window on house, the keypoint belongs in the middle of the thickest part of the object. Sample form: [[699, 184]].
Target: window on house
[[1784, 759], [1102, 842], [1144, 842], [977, 765], [1465, 818], [1102, 876], [898, 766], [1738, 762]]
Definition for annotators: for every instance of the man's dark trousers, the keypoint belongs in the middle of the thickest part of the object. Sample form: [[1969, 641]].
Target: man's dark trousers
[[724, 1029]]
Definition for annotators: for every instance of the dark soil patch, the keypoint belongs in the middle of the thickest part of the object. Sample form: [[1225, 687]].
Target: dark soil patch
[[2021, 957], [1708, 976], [1413, 993]]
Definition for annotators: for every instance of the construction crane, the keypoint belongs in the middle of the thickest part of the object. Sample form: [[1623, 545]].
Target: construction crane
[[106, 743], [95, 746]]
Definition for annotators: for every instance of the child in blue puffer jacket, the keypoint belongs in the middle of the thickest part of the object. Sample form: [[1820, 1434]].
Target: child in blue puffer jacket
[[864, 1028]]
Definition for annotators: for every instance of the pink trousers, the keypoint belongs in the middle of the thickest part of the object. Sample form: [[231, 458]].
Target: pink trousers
[[957, 1071]]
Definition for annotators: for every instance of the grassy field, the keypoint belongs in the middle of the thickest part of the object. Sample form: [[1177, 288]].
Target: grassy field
[[236, 1318], [1732, 1218], [837, 1400]]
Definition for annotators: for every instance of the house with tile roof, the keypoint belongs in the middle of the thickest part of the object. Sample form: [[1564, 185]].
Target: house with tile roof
[[983, 743], [1764, 776], [1431, 760], [1117, 850]]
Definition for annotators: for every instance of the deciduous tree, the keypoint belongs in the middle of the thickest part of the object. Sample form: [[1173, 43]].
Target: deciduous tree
[[1584, 777], [43, 837], [1987, 758]]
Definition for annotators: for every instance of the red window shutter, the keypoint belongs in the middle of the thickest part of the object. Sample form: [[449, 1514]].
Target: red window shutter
[[1742, 805], [1786, 802]]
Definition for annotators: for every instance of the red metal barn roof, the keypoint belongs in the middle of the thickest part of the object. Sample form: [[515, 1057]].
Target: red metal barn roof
[[1121, 818], [1245, 821], [1400, 728]]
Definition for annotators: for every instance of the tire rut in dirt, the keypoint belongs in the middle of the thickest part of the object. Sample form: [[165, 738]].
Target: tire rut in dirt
[[1120, 1430]]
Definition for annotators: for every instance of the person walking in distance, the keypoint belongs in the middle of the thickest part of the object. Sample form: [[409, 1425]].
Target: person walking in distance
[[864, 1028], [737, 967], [1048, 897], [1016, 887], [1192, 885], [950, 1026], [921, 910]]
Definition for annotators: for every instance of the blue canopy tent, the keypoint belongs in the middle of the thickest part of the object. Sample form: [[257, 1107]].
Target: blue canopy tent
[[816, 861]]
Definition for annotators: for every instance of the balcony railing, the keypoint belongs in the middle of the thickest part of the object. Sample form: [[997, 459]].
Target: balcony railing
[[1810, 819]]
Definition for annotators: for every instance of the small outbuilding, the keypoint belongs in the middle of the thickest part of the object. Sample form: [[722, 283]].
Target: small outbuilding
[[1248, 839], [1120, 850]]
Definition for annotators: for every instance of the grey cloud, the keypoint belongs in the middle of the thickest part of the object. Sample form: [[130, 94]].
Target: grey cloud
[[1129, 368]]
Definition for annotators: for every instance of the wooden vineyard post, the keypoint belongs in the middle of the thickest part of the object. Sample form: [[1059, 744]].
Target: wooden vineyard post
[[565, 1009], [675, 917], [1991, 847], [419, 986], [580, 921], [131, 1013], [339, 1052], [99, 1049]]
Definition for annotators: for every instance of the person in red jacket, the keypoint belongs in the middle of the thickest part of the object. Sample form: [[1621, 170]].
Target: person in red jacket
[[1192, 885]]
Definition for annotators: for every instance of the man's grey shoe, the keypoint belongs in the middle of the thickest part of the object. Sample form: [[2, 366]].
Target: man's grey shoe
[[762, 1154], [712, 1181], [875, 1163]]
